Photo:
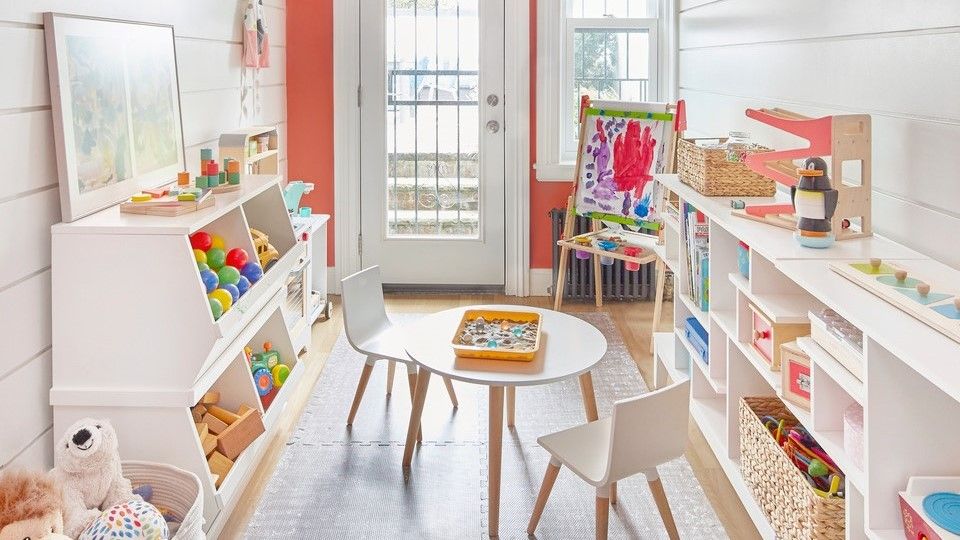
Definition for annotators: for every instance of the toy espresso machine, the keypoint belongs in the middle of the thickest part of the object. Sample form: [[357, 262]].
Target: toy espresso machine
[[814, 202]]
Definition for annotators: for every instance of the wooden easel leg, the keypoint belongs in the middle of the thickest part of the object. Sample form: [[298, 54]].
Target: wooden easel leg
[[597, 270], [661, 269], [561, 278]]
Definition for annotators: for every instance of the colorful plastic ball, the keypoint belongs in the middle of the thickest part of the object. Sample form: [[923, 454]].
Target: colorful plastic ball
[[237, 257], [210, 280], [216, 242], [280, 373], [252, 271], [202, 266], [216, 258], [225, 298], [216, 308], [201, 240], [243, 284], [232, 289], [228, 274], [263, 379], [200, 256]]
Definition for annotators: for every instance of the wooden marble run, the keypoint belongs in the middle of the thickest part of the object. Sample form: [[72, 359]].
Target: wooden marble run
[[841, 138], [933, 304]]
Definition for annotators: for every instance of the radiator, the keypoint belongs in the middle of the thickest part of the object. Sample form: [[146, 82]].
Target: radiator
[[618, 283]]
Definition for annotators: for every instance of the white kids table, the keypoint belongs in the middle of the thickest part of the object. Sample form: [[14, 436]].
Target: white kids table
[[569, 347]]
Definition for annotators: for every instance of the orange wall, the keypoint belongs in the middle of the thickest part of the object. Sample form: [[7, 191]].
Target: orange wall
[[310, 121]]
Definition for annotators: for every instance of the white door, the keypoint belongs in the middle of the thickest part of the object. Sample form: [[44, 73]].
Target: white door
[[431, 132]]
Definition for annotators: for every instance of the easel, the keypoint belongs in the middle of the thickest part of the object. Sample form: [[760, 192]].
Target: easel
[[841, 137], [585, 242]]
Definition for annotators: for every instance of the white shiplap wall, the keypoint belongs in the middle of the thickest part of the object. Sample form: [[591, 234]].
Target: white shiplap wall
[[208, 51], [894, 60]]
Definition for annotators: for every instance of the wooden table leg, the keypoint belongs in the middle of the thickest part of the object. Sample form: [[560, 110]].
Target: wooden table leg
[[495, 453], [419, 398], [589, 399], [511, 406]]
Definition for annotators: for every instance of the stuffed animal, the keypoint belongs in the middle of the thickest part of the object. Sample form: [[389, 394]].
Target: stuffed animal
[[87, 466], [133, 520], [30, 507]]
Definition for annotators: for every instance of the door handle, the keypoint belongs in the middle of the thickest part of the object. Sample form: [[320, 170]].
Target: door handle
[[493, 126], [493, 100]]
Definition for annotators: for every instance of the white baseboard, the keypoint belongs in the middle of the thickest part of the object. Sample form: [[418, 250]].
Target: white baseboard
[[541, 281], [333, 280]]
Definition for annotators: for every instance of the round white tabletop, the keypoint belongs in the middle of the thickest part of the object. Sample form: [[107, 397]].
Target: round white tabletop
[[568, 347]]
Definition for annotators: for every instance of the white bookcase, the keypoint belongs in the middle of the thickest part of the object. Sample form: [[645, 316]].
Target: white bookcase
[[911, 387], [134, 340]]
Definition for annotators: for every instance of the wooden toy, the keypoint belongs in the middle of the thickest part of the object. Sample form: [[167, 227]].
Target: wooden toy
[[814, 202], [156, 193], [140, 197], [242, 410], [769, 336], [168, 205], [238, 436], [845, 138], [263, 381], [796, 380], [266, 253], [202, 430], [224, 415], [929, 507], [935, 305], [237, 145], [209, 444], [219, 465], [214, 424], [183, 178], [268, 358]]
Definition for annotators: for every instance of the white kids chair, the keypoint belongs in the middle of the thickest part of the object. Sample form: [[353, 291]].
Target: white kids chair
[[370, 332], [643, 433]]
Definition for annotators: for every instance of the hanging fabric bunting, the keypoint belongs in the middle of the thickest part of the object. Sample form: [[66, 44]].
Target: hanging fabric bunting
[[256, 55]]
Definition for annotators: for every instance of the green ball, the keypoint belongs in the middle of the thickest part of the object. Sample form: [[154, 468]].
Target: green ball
[[216, 308], [216, 258], [228, 275], [202, 266]]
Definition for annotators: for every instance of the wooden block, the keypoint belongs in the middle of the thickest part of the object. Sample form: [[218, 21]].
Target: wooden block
[[209, 443], [197, 416], [226, 416], [238, 436], [243, 410], [214, 424], [202, 430], [201, 409], [210, 398], [215, 478], [219, 465]]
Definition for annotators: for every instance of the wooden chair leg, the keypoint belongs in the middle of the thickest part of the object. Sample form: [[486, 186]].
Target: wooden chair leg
[[361, 387], [561, 278], [549, 478], [511, 405], [663, 506], [451, 392], [661, 269], [391, 370], [412, 382], [613, 494], [603, 517]]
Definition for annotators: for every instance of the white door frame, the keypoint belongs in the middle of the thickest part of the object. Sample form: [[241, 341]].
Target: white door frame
[[346, 130]]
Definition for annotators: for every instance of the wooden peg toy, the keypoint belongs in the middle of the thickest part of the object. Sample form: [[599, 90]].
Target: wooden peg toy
[[875, 264], [923, 289], [901, 275], [956, 302]]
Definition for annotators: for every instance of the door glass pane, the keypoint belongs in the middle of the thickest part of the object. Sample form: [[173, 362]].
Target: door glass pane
[[432, 118], [611, 8]]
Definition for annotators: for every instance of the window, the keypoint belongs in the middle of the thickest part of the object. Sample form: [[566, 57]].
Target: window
[[606, 49]]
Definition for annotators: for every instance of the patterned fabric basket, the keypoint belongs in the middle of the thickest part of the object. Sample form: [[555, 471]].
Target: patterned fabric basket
[[794, 510], [176, 490], [708, 171]]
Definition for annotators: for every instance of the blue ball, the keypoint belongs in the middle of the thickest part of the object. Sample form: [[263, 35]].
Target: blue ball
[[252, 271], [210, 280], [232, 289], [243, 285]]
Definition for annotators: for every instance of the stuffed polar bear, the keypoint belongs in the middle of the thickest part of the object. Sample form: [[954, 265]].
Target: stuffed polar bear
[[87, 465]]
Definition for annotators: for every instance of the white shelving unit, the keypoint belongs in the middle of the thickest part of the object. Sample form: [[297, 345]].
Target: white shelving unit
[[134, 340], [910, 391]]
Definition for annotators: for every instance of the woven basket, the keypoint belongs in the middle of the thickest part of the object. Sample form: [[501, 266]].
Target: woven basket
[[794, 510], [708, 171], [174, 489]]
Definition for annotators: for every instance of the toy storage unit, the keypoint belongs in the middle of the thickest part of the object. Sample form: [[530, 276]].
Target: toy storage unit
[[244, 146], [912, 367], [134, 339], [307, 294]]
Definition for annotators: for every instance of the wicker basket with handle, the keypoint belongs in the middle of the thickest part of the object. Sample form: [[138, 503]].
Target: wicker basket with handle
[[174, 489], [795, 511], [708, 171]]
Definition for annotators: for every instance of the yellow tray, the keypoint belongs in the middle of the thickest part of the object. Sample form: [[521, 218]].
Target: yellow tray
[[496, 353]]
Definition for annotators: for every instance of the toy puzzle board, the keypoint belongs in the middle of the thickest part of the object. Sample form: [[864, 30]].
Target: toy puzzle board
[[939, 308]]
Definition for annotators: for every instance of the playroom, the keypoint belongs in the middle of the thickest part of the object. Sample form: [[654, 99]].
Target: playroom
[[468, 269]]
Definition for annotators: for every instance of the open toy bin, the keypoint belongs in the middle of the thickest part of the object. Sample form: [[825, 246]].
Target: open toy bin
[[272, 372], [271, 230]]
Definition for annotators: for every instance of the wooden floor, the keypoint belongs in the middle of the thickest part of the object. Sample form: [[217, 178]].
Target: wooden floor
[[633, 321]]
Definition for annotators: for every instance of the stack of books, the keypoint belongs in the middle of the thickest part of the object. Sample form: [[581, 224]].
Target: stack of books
[[696, 236]]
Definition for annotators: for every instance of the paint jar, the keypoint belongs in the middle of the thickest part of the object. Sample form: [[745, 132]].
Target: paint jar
[[582, 254], [632, 251], [606, 261]]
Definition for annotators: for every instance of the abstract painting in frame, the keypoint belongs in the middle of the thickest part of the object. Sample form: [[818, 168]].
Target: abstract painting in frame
[[116, 109]]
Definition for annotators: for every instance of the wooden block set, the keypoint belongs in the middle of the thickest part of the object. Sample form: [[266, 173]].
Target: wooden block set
[[224, 434], [213, 176]]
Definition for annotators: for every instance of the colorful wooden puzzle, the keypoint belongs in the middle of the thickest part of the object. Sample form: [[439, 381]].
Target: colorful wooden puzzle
[[933, 304]]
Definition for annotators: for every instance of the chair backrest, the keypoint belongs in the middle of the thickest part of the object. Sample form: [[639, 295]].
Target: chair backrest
[[648, 430], [364, 314]]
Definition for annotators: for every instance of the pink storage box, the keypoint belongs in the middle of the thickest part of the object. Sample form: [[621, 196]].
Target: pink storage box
[[853, 434]]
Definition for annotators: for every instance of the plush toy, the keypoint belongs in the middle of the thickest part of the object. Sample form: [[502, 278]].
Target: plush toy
[[133, 520], [87, 466], [30, 507]]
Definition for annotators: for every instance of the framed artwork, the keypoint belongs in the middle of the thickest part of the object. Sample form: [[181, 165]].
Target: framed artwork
[[116, 109], [622, 146]]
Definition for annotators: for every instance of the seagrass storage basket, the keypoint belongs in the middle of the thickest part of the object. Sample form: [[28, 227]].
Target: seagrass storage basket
[[708, 171], [175, 489], [794, 510]]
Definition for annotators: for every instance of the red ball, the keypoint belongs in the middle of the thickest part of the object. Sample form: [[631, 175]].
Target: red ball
[[201, 240], [237, 257]]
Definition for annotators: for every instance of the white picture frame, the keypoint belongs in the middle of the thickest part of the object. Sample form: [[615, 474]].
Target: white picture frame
[[115, 98]]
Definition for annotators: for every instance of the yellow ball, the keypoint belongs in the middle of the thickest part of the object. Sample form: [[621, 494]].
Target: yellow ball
[[217, 242], [200, 256], [224, 297]]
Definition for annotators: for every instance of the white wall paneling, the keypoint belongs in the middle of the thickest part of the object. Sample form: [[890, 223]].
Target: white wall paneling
[[208, 40], [818, 58]]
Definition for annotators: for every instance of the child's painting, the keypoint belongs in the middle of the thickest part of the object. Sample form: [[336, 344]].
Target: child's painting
[[621, 151]]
